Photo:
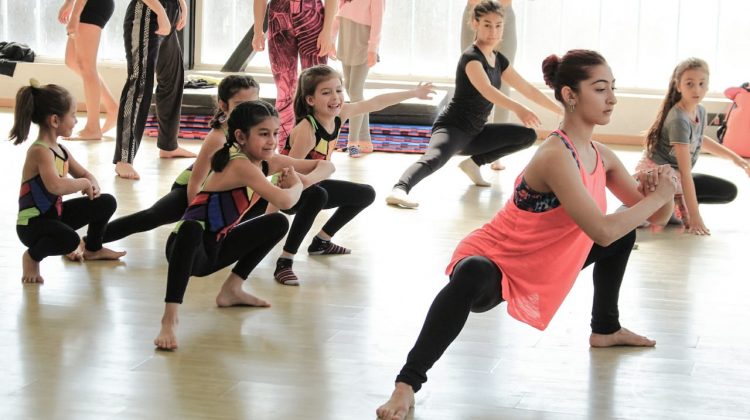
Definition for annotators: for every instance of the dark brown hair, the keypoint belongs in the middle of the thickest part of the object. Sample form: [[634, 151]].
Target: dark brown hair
[[570, 70], [34, 105], [228, 87]]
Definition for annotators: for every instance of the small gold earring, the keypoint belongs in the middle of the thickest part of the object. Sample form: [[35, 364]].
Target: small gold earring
[[572, 106]]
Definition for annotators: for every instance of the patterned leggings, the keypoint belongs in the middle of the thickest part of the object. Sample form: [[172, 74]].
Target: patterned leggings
[[293, 29]]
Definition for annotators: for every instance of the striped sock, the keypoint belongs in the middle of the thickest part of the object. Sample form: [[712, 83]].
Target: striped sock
[[284, 274], [322, 247]]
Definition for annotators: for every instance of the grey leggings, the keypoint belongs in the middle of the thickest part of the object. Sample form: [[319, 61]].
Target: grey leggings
[[354, 80], [507, 48], [492, 143]]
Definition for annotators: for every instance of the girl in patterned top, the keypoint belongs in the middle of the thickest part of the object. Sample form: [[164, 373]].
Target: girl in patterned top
[[530, 255], [215, 230], [47, 224]]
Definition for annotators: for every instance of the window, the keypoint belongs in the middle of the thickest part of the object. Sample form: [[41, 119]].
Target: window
[[642, 39], [34, 22]]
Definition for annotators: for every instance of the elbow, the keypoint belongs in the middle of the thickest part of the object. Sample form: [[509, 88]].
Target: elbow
[[603, 236]]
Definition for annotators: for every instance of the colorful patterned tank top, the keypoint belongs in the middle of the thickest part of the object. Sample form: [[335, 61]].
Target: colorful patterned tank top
[[219, 211], [539, 253], [34, 200], [325, 142]]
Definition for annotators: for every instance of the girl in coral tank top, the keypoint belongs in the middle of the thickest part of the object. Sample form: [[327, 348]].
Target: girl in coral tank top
[[555, 224]]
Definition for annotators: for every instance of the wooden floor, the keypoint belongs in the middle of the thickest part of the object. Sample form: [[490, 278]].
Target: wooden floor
[[80, 346]]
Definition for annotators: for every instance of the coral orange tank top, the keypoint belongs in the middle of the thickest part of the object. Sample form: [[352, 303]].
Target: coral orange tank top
[[539, 254]]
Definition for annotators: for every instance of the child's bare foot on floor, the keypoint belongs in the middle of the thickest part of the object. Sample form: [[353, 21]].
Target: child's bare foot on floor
[[126, 171], [102, 254], [623, 337], [398, 406], [86, 134], [231, 294], [77, 254], [167, 339], [176, 153], [31, 272]]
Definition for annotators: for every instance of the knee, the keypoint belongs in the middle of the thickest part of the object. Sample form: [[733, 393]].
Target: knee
[[279, 224], [731, 193], [529, 136], [474, 274], [368, 194], [316, 197], [70, 241], [106, 204]]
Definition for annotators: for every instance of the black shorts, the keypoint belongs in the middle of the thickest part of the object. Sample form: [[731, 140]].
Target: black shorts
[[97, 12]]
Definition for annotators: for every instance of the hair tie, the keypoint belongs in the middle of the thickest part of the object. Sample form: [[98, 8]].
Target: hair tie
[[227, 145], [34, 83]]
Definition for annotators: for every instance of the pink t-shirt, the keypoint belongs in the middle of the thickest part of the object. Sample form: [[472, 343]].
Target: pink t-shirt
[[365, 12], [539, 254]]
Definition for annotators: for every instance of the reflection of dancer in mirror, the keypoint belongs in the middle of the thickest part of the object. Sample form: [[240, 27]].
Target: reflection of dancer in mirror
[[296, 28], [532, 251], [84, 22], [358, 24], [507, 47], [151, 46]]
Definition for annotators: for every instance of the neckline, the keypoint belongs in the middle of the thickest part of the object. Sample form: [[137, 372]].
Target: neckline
[[563, 135]]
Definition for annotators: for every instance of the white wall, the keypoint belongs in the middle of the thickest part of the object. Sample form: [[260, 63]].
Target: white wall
[[633, 114]]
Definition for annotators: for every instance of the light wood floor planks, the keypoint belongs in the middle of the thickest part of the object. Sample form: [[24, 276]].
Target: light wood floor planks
[[79, 347]]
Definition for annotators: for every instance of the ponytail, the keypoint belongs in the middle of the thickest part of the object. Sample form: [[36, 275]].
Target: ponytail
[[34, 104]]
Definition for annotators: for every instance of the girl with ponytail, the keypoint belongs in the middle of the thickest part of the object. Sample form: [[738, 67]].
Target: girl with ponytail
[[46, 224], [555, 224], [233, 90], [676, 139], [219, 228]]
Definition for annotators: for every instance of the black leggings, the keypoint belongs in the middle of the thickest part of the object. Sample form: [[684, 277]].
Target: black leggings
[[194, 252], [311, 202], [51, 236], [713, 190], [492, 143], [475, 286], [350, 198], [168, 209]]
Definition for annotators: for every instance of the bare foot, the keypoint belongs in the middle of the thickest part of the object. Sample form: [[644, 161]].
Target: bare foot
[[471, 169], [623, 337], [102, 254], [365, 147], [497, 166], [110, 122], [77, 254], [87, 134], [31, 272], [231, 294], [167, 339], [176, 153], [126, 171], [398, 406]]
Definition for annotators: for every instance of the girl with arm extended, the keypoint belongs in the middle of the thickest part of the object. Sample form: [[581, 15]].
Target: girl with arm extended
[[676, 139], [46, 224], [462, 126], [321, 110], [554, 225]]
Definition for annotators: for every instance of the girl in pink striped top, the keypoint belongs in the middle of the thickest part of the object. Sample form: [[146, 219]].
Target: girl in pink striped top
[[555, 224]]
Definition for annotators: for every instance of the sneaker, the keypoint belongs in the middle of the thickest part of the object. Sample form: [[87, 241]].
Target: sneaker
[[354, 152], [400, 198], [284, 274]]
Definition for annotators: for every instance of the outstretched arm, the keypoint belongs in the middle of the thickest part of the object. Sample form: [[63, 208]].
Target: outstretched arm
[[422, 91], [481, 83], [511, 76], [715, 148]]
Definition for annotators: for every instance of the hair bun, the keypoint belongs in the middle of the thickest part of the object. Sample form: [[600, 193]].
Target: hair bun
[[549, 69], [34, 83]]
